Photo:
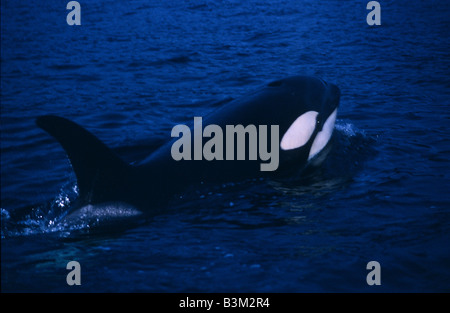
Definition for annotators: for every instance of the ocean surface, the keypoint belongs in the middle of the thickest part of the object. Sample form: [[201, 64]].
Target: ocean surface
[[134, 69]]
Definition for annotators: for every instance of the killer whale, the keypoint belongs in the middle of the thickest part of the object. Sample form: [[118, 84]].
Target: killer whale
[[304, 108]]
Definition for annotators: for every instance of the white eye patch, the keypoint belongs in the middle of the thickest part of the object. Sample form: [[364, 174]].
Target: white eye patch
[[300, 131], [323, 136]]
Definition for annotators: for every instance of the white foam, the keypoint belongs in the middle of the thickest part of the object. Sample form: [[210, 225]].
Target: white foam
[[348, 129]]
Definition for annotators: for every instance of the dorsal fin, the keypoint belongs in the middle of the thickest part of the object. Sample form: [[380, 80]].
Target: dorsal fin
[[100, 173]]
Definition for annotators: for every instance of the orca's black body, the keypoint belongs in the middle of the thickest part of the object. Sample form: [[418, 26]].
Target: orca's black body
[[103, 177]]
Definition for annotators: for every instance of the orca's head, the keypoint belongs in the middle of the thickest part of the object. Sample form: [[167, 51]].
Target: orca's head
[[313, 118]]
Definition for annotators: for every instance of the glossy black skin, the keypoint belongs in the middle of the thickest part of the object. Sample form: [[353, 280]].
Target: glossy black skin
[[104, 177]]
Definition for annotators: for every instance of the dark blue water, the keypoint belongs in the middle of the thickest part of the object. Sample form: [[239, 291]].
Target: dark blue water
[[134, 69]]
